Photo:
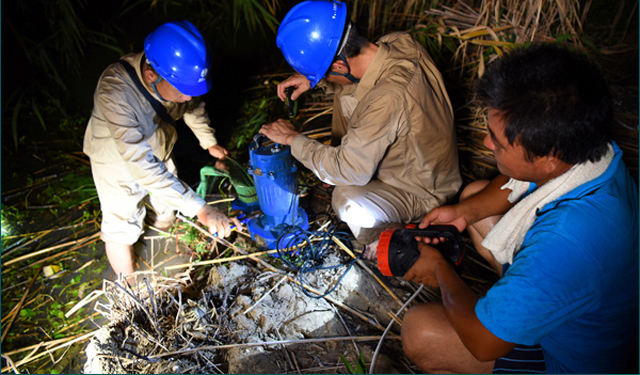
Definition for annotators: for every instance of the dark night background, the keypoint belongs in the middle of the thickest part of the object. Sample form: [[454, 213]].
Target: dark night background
[[55, 50], [235, 58]]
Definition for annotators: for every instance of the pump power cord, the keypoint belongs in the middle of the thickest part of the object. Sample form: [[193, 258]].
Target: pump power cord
[[375, 354], [310, 258]]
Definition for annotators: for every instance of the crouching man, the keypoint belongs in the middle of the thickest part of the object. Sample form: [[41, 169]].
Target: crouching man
[[130, 142], [394, 154], [560, 225]]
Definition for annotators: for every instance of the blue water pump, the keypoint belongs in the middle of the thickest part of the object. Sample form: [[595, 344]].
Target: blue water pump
[[275, 173]]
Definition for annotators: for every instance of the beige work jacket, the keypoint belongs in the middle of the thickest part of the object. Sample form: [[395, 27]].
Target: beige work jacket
[[399, 127], [125, 131]]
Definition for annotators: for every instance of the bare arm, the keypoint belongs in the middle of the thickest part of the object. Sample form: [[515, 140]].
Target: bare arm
[[458, 300], [488, 202], [459, 303]]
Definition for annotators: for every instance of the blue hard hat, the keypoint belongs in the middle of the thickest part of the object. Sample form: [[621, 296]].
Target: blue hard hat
[[177, 51], [309, 36]]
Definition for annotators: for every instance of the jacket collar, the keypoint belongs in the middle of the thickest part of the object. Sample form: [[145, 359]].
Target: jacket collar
[[373, 72]]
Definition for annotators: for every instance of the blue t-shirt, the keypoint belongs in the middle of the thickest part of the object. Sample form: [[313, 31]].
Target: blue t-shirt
[[573, 286]]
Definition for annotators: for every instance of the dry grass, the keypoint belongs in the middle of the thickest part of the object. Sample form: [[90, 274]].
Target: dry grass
[[480, 33], [464, 36]]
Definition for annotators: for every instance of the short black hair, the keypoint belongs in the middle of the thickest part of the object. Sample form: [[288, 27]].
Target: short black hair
[[554, 102], [355, 42]]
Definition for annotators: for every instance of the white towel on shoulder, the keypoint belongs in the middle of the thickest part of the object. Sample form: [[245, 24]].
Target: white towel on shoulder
[[506, 237]]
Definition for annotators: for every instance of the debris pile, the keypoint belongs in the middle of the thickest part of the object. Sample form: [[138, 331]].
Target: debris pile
[[246, 320]]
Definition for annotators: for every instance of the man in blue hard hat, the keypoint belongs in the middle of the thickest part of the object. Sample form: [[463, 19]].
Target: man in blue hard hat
[[394, 155], [130, 136]]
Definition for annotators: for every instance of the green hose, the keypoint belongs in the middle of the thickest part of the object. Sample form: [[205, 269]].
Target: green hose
[[237, 175]]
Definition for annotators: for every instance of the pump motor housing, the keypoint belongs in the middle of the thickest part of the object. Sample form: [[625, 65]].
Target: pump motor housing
[[275, 174]]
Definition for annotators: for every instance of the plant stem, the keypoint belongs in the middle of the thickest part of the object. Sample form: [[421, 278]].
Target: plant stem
[[267, 343], [361, 264], [36, 253], [89, 239], [84, 337], [221, 260], [24, 296]]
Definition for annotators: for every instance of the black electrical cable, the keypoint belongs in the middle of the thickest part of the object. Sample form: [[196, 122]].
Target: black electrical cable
[[310, 258]]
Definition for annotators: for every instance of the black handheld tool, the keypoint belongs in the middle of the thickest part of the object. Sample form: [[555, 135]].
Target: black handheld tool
[[288, 102], [398, 249]]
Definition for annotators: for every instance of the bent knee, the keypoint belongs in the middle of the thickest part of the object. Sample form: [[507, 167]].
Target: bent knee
[[473, 189], [418, 327]]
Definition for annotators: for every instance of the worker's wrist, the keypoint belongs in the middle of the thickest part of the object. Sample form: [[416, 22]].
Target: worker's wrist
[[468, 212], [290, 138], [442, 270], [204, 211]]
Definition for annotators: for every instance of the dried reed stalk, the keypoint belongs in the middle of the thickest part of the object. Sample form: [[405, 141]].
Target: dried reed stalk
[[361, 264], [269, 343], [43, 251], [483, 31], [48, 350], [84, 242], [24, 296], [221, 260]]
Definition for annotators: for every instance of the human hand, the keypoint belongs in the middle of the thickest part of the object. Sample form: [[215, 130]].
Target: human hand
[[221, 165], [280, 131], [218, 152], [424, 269], [443, 215], [217, 222], [300, 82]]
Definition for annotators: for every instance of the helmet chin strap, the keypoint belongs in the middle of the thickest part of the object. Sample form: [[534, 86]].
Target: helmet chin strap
[[154, 84], [348, 74], [342, 57]]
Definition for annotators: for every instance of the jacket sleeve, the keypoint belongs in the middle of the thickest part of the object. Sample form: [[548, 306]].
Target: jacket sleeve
[[334, 88], [356, 159], [121, 108]]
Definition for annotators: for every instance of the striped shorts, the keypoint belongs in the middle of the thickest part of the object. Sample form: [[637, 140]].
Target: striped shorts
[[522, 359]]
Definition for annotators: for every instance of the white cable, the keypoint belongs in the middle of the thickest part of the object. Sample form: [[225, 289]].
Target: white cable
[[375, 354]]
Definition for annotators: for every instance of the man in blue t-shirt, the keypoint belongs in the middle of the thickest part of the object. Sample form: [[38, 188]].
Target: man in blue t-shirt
[[559, 225]]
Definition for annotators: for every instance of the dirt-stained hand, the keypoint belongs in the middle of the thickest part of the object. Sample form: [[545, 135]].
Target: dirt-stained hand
[[217, 221], [221, 165]]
